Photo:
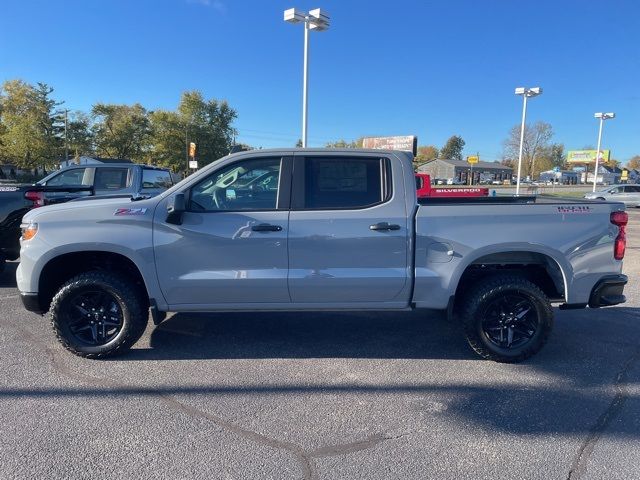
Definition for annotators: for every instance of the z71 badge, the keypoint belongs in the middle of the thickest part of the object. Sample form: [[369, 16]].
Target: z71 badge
[[130, 211]]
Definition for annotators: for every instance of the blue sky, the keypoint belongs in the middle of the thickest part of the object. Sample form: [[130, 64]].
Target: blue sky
[[384, 68]]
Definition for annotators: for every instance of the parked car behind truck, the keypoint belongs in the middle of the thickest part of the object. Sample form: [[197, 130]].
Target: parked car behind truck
[[339, 230], [71, 183]]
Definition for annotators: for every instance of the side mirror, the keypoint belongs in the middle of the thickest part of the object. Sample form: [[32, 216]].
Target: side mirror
[[175, 209]]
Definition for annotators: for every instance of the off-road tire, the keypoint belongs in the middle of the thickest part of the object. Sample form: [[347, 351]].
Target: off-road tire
[[481, 297], [134, 315]]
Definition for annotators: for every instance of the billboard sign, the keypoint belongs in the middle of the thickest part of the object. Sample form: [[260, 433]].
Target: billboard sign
[[407, 143], [587, 156], [473, 159]]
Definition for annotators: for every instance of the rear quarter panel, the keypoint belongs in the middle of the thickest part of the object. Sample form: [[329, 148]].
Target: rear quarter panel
[[577, 236]]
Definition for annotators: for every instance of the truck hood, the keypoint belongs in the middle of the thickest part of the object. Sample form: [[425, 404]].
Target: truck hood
[[96, 207]]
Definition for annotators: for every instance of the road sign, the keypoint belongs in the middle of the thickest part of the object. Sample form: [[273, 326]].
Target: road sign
[[473, 159], [193, 164]]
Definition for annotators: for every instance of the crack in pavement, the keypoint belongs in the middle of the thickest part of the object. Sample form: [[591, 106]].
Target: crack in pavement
[[581, 459], [303, 457]]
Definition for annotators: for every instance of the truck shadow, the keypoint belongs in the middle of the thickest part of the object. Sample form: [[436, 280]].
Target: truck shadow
[[8, 276], [305, 335]]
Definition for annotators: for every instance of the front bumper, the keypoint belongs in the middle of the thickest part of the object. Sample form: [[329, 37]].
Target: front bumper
[[31, 302], [608, 291]]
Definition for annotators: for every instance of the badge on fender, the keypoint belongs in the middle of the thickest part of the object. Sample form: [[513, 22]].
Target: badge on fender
[[130, 211]]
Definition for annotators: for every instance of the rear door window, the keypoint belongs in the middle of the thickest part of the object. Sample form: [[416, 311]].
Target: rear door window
[[345, 183], [111, 178]]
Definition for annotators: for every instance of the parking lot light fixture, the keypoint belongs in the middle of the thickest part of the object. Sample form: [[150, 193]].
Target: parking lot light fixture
[[318, 20], [602, 117], [526, 93]]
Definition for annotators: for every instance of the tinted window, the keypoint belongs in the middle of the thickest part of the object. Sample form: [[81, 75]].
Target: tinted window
[[111, 178], [71, 177], [632, 189], [156, 178], [345, 182], [244, 185]]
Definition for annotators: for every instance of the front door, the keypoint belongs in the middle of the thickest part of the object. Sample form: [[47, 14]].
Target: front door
[[348, 232], [231, 247]]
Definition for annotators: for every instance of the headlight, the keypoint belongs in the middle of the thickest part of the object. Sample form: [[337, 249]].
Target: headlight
[[29, 230]]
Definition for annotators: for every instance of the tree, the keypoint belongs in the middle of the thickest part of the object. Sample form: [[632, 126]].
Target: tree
[[426, 153], [121, 131], [535, 143], [207, 123], [634, 163], [79, 135], [299, 143], [452, 150], [30, 133], [341, 144]]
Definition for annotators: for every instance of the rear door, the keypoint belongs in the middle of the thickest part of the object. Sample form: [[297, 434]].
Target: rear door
[[348, 232]]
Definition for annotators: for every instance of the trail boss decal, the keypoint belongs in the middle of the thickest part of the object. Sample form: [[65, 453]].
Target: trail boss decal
[[130, 211], [574, 209]]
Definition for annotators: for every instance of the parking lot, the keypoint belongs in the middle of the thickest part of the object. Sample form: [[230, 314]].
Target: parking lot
[[323, 396]]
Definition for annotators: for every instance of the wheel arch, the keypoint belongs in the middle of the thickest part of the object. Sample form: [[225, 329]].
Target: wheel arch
[[60, 268], [540, 265]]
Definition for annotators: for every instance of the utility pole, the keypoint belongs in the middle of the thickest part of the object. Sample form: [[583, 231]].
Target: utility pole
[[66, 142]]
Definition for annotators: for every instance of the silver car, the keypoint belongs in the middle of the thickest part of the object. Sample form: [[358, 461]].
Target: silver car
[[628, 194]]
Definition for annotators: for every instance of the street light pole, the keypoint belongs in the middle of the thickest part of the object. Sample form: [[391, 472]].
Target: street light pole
[[524, 118], [526, 93], [318, 20], [602, 117], [305, 84]]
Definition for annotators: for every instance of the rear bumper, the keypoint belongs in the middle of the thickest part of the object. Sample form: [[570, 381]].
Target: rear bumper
[[31, 302], [608, 291]]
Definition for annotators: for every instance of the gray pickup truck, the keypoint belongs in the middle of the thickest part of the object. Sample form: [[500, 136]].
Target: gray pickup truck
[[112, 179], [318, 229]]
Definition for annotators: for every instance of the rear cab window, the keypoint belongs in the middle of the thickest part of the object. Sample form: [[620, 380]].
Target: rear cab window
[[112, 178], [152, 178]]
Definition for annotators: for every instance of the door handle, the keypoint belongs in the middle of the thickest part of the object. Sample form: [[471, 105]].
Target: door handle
[[382, 226], [265, 227]]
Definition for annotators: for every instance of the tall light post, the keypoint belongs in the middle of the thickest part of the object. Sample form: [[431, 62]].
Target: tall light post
[[602, 117], [317, 20], [526, 93]]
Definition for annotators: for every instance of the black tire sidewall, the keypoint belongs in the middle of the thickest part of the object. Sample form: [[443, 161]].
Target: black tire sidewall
[[478, 301], [133, 324]]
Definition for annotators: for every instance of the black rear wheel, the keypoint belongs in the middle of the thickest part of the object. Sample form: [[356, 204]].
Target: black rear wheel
[[507, 318], [98, 314]]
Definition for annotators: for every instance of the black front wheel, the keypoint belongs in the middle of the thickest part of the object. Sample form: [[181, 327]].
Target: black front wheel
[[507, 318], [98, 314]]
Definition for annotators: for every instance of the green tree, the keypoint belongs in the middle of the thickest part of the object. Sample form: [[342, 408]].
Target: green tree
[[30, 133], [342, 144], [79, 135], [207, 123], [121, 131], [452, 150]]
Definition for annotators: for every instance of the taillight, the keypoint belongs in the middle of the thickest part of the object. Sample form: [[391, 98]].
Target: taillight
[[620, 220], [36, 197]]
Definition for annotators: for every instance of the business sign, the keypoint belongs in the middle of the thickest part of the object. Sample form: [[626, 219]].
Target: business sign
[[192, 150], [473, 159], [407, 143], [587, 156], [625, 175]]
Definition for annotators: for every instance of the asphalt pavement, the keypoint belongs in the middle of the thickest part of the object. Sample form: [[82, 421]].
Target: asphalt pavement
[[323, 396]]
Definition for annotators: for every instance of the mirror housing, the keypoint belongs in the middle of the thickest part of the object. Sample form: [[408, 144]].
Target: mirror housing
[[176, 206]]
